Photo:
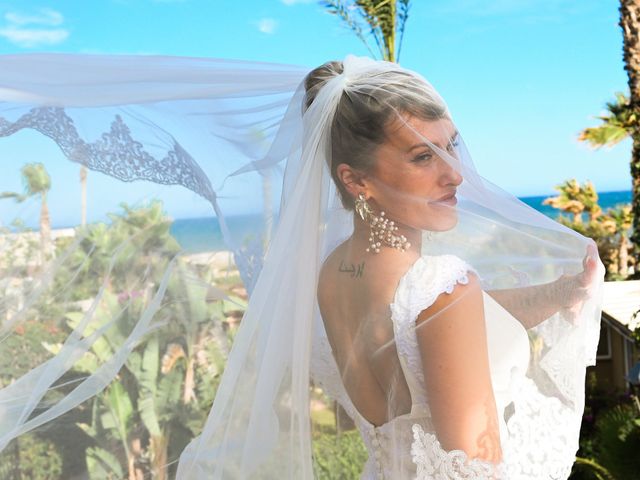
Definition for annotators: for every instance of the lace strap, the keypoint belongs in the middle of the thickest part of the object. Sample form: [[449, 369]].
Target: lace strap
[[427, 278]]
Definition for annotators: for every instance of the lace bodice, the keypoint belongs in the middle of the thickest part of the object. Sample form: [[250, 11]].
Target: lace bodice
[[531, 424]]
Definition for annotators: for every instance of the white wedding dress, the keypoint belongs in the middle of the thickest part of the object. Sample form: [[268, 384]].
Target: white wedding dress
[[406, 447]]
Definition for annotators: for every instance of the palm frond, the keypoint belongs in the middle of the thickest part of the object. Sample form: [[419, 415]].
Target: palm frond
[[403, 15], [621, 215], [35, 178], [606, 135], [593, 467], [380, 15], [337, 7], [18, 197], [384, 20], [619, 123]]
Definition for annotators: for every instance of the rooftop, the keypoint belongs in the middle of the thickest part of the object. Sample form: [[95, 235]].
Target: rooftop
[[621, 300]]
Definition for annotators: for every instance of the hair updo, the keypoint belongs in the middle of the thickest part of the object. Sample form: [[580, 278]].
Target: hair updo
[[365, 110]]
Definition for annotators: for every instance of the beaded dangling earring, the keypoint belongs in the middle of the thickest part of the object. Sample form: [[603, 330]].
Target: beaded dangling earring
[[381, 228]]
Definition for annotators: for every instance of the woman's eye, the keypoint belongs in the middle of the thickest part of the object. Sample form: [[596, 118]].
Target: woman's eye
[[453, 143], [422, 157]]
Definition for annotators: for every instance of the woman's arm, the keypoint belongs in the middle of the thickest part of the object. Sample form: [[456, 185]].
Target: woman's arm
[[530, 305], [533, 305], [452, 339]]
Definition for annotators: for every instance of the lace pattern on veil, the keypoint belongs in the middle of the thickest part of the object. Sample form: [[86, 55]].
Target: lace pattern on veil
[[116, 153]]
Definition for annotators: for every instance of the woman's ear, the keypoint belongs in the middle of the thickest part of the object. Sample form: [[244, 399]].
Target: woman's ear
[[352, 179]]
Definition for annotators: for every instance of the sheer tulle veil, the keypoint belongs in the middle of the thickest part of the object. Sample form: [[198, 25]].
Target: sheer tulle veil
[[119, 370]]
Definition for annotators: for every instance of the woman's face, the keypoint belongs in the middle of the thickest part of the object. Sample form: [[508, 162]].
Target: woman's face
[[409, 179]]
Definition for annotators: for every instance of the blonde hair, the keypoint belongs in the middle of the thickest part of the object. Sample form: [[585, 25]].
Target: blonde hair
[[365, 110]]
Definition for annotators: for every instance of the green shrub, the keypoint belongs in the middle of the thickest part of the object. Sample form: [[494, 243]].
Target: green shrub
[[339, 457], [30, 457], [611, 450]]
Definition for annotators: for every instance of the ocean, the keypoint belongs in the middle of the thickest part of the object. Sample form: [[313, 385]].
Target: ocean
[[197, 235], [606, 200]]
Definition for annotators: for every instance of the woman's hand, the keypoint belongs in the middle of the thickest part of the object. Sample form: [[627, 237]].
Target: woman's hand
[[534, 304], [573, 289]]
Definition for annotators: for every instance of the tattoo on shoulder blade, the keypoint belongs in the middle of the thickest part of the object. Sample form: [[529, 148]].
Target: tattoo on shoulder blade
[[356, 271]]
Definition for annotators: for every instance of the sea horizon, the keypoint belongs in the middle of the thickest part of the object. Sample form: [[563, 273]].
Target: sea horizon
[[202, 234]]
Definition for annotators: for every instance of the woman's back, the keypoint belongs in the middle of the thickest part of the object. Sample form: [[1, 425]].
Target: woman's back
[[354, 295]]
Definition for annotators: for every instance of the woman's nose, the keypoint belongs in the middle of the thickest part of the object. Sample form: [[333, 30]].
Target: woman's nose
[[450, 172]]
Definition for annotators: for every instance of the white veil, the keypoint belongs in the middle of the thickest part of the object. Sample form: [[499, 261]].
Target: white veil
[[199, 123]]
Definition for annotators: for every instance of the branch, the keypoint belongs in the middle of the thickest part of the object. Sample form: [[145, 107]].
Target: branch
[[336, 7], [403, 15]]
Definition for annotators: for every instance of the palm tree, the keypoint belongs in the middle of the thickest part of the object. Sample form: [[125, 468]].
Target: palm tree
[[623, 219], [571, 199], [623, 119], [589, 198], [160, 398], [576, 199], [36, 181], [617, 124], [268, 208], [629, 15], [384, 19], [83, 196]]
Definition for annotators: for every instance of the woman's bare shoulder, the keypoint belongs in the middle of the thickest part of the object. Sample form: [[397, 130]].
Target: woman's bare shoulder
[[465, 296], [328, 268]]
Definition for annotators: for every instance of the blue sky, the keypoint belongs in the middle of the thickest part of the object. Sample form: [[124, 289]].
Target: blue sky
[[521, 77]]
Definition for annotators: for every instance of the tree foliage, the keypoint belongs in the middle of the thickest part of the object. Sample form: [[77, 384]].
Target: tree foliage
[[610, 230], [382, 20], [618, 123]]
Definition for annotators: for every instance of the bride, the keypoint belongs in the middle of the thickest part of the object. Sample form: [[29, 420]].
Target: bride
[[452, 322], [415, 348]]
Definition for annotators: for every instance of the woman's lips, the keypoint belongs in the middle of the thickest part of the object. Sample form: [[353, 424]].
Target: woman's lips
[[451, 200]]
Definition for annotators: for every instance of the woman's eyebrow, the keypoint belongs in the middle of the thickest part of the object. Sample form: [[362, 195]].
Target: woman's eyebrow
[[422, 144]]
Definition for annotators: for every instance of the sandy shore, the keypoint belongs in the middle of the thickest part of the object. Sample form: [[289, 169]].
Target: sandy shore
[[18, 244], [218, 259]]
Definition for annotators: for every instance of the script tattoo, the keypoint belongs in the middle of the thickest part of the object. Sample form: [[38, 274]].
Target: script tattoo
[[354, 270]]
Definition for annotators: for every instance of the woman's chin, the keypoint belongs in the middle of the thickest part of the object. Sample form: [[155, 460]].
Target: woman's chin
[[442, 223]]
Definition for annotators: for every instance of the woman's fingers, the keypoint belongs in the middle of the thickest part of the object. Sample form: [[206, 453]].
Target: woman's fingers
[[589, 265], [578, 287]]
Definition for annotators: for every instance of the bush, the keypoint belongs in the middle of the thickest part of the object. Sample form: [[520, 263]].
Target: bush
[[30, 457], [339, 457], [609, 438]]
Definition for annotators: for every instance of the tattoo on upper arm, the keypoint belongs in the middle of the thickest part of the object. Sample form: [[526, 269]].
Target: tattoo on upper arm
[[356, 271]]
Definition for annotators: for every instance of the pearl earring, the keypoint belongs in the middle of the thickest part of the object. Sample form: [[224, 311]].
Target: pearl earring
[[381, 228]]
